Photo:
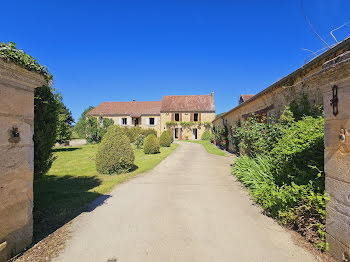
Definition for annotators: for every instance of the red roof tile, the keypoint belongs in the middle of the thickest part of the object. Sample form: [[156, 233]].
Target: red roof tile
[[246, 97], [193, 103], [127, 108]]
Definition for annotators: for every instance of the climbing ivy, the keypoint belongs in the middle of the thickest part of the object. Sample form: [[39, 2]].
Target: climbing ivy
[[9, 52]]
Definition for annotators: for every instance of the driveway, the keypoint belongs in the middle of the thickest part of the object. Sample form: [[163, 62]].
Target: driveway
[[189, 208]]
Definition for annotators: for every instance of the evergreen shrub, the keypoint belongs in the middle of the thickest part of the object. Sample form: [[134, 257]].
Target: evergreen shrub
[[115, 154], [151, 145], [165, 139]]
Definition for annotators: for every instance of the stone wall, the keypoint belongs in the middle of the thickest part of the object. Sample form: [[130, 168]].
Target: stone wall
[[337, 158], [16, 157]]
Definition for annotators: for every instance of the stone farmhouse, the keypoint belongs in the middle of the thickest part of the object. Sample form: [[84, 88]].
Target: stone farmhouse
[[187, 116]]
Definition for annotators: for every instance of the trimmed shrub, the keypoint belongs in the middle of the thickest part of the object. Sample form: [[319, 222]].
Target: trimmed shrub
[[151, 145], [147, 132], [140, 139], [165, 139], [207, 135], [115, 154], [170, 135]]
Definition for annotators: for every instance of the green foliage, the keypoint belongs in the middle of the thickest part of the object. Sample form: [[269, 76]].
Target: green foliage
[[46, 108], [9, 52], [207, 135], [81, 126], [149, 131], [301, 107], [165, 139], [64, 125], [283, 170], [297, 206], [151, 145], [92, 135], [104, 124], [221, 136], [207, 124], [139, 141], [171, 123], [298, 150], [170, 135], [115, 154]]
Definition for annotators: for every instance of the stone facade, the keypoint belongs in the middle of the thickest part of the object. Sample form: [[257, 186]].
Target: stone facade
[[187, 132], [16, 157], [143, 121]]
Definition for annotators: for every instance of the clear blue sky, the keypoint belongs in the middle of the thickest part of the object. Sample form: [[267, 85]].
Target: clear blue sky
[[123, 50]]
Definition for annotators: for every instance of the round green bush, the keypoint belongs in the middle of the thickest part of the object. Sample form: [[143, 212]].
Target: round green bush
[[115, 154], [165, 139], [151, 145], [139, 141], [207, 135], [170, 135]]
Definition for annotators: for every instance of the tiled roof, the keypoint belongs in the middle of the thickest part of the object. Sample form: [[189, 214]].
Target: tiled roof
[[127, 108], [246, 97], [193, 103]]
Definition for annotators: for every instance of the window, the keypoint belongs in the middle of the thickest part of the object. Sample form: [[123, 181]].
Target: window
[[195, 117], [124, 121], [151, 121], [177, 117]]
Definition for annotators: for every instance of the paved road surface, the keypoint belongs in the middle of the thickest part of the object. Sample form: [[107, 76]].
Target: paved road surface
[[188, 209]]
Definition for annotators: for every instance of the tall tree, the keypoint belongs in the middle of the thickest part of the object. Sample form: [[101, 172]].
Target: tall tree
[[64, 125], [81, 126], [46, 108]]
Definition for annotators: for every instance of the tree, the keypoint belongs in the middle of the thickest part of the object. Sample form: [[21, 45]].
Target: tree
[[81, 126], [46, 108], [64, 125]]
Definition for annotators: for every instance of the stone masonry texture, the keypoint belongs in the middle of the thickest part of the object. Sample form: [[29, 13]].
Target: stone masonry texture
[[16, 157]]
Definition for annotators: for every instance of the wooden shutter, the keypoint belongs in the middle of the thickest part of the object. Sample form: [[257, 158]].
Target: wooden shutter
[[191, 117], [180, 117], [172, 117], [199, 117]]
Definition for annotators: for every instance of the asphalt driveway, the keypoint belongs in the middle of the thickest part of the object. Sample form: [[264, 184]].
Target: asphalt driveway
[[189, 208]]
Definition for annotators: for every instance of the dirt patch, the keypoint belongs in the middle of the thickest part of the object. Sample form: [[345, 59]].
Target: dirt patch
[[48, 248]]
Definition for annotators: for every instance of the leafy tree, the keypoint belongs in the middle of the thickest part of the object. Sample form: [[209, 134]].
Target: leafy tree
[[81, 126], [46, 108], [64, 125]]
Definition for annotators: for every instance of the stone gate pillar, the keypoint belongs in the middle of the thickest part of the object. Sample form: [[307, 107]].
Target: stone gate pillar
[[16, 157], [337, 166]]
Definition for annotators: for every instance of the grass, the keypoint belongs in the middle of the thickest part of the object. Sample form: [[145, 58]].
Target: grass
[[211, 149], [73, 182]]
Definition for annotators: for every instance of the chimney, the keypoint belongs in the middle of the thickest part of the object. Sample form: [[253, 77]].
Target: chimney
[[212, 94], [133, 100]]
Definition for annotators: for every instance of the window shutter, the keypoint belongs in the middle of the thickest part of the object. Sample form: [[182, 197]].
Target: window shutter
[[128, 121], [172, 116], [199, 117], [191, 117], [147, 121], [120, 121], [180, 116], [155, 121]]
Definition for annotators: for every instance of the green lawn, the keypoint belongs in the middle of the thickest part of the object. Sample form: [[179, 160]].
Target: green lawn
[[73, 182], [211, 149]]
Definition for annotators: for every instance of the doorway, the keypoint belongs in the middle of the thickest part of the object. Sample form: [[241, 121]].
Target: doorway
[[176, 133], [194, 133]]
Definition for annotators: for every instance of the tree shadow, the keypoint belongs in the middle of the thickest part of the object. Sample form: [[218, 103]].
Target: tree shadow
[[65, 149], [59, 199], [134, 167]]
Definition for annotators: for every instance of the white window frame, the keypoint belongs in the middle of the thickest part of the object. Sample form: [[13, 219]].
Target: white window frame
[[126, 121]]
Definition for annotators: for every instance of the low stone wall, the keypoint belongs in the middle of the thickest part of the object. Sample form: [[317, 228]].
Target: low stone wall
[[16, 157]]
